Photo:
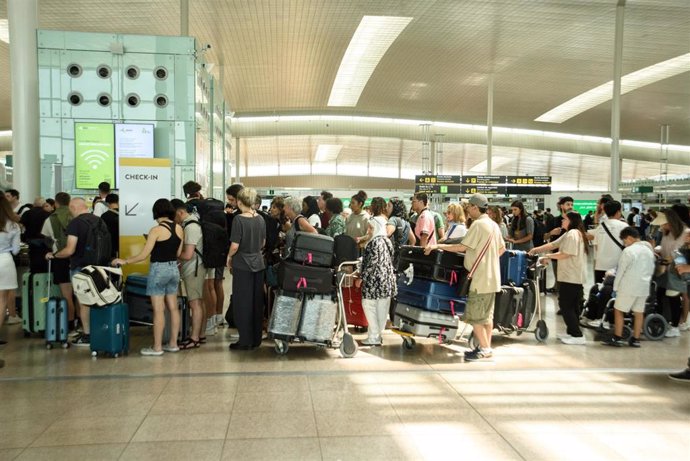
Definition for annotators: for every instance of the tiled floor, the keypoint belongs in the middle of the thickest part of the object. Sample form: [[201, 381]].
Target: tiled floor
[[531, 402]]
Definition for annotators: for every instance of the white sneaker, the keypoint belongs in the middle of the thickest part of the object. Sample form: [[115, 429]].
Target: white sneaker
[[574, 341], [606, 325], [211, 327], [673, 332], [149, 351], [13, 320], [685, 326], [560, 337], [594, 323], [220, 320]]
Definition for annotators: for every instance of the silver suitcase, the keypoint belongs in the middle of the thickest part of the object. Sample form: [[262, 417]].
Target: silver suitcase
[[424, 323], [285, 318], [318, 318]]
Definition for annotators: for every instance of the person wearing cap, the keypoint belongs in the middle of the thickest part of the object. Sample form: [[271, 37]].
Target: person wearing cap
[[425, 227], [486, 281], [669, 288]]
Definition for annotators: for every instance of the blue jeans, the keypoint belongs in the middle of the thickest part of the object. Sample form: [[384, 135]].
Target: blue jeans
[[163, 279]]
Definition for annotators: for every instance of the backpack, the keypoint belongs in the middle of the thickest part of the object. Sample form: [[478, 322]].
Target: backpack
[[98, 247], [23, 208], [59, 230], [206, 206], [98, 285], [272, 232], [214, 241], [402, 230], [344, 249]]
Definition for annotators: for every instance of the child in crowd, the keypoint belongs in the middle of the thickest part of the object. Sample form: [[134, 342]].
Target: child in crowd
[[633, 279]]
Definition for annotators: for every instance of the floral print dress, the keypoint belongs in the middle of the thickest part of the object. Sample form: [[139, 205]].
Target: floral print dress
[[378, 276]]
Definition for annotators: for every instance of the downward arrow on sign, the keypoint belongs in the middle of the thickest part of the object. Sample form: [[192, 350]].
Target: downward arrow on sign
[[128, 211]]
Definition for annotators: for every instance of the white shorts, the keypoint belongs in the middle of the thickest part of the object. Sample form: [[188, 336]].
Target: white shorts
[[8, 273], [627, 303]]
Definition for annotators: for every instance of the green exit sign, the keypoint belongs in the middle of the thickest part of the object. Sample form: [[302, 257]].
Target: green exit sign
[[642, 189]]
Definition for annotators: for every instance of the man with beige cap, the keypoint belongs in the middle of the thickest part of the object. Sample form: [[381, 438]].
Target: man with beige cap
[[482, 245]]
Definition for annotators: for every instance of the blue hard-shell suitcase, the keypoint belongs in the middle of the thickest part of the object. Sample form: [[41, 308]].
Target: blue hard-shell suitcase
[[431, 296], [57, 327], [110, 330], [513, 267]]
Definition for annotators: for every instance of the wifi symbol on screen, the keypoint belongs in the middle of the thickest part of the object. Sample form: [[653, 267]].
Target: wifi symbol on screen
[[94, 158]]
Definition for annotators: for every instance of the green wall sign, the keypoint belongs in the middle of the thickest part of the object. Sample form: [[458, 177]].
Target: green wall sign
[[94, 150], [584, 206]]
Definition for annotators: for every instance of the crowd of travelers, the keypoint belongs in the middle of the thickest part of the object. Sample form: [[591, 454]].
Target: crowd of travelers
[[638, 249]]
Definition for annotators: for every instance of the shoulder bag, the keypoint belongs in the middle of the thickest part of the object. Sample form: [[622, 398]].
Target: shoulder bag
[[465, 287], [618, 244]]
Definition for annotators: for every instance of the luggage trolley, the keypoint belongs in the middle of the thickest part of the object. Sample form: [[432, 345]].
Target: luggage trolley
[[518, 323], [310, 318]]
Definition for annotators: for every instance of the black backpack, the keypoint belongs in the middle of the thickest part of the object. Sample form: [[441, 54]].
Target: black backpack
[[272, 232], [214, 241], [205, 206], [402, 230], [344, 249], [98, 248]]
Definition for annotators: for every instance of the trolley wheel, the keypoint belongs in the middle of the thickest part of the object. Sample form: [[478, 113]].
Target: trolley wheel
[[627, 332], [409, 343], [94, 354], [655, 327], [49, 346], [65, 345], [348, 348], [541, 333], [472, 341], [281, 347]]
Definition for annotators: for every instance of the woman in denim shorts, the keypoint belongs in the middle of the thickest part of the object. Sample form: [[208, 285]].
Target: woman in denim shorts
[[164, 244]]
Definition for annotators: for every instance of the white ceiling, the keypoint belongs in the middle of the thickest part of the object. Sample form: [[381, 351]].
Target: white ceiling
[[281, 57]]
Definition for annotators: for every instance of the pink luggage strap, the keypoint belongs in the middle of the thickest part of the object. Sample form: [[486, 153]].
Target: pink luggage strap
[[302, 283], [452, 307], [453, 278], [440, 335]]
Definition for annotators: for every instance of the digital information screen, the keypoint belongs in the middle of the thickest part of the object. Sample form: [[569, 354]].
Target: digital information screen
[[94, 149], [132, 140]]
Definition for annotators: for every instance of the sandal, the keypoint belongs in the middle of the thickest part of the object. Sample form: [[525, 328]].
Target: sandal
[[202, 340], [189, 343]]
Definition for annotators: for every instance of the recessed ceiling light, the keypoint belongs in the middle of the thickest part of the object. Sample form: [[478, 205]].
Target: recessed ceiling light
[[327, 152], [371, 40], [629, 82], [5, 31]]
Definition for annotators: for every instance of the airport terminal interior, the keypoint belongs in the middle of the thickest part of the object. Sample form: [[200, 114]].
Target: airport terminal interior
[[515, 100]]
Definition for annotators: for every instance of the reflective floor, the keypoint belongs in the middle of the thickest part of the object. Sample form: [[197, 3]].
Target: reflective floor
[[531, 401]]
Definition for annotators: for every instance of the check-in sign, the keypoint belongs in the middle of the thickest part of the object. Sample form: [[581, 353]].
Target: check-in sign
[[142, 182]]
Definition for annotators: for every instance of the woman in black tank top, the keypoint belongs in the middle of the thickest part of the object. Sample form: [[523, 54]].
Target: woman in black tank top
[[164, 244]]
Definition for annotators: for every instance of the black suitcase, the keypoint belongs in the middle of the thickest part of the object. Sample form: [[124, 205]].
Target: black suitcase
[[444, 266], [311, 279], [140, 310], [185, 321], [528, 304], [507, 307], [312, 249]]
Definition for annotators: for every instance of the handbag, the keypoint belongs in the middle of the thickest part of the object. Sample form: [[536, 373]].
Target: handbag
[[465, 287]]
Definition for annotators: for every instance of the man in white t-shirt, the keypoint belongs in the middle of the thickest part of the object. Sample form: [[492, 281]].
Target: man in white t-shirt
[[483, 240], [101, 206], [607, 243]]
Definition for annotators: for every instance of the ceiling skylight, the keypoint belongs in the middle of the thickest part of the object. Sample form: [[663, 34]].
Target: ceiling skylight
[[4, 31], [629, 82], [496, 162], [371, 40], [327, 152]]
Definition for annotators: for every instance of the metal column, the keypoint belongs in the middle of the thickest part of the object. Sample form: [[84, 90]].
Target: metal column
[[184, 18], [23, 22], [490, 124], [616, 100], [237, 160]]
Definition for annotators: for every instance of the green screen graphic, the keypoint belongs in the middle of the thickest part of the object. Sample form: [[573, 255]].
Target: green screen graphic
[[94, 147], [584, 206]]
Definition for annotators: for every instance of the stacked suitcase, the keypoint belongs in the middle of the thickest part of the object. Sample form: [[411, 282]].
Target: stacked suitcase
[[428, 305], [516, 302], [306, 305]]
